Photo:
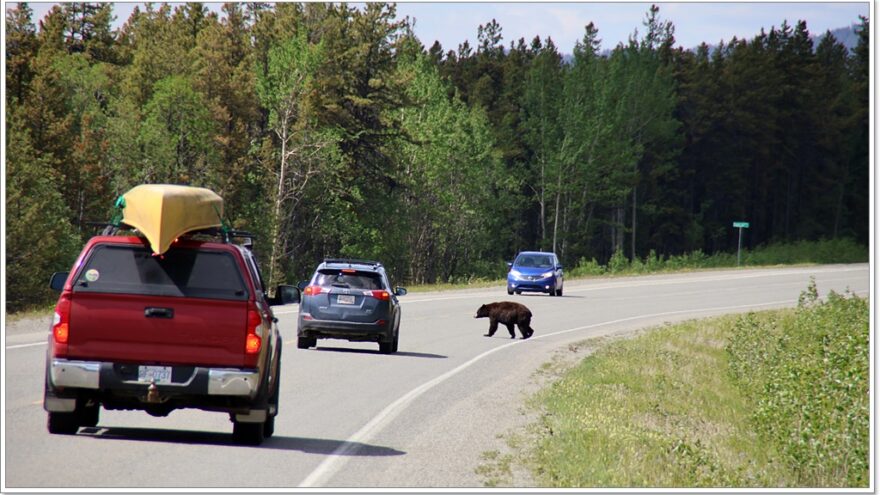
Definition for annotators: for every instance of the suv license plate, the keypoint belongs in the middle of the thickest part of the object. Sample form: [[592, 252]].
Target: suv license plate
[[159, 374], [343, 299]]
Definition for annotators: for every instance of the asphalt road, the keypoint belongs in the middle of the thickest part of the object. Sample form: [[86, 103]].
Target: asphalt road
[[353, 418]]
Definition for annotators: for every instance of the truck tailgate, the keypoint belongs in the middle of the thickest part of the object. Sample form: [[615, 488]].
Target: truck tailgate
[[160, 330]]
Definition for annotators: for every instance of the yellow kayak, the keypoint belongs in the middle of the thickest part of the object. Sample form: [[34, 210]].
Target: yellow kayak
[[164, 212]]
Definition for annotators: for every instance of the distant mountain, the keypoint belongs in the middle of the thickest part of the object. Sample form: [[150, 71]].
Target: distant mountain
[[846, 35]]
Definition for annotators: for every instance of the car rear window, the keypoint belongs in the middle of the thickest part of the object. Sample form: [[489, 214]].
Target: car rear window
[[349, 279], [177, 273]]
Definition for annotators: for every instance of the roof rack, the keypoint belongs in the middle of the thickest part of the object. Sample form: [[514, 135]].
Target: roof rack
[[351, 261], [225, 235]]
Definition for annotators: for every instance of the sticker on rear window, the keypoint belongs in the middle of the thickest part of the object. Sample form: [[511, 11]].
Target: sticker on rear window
[[92, 275]]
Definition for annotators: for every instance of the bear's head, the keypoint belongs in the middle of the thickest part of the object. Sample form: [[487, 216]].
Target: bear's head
[[483, 312]]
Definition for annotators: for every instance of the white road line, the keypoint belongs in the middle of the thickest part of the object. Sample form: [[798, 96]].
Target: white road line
[[330, 465], [665, 281], [19, 346]]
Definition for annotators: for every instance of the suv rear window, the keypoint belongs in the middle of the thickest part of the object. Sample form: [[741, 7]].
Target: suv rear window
[[348, 279], [177, 273]]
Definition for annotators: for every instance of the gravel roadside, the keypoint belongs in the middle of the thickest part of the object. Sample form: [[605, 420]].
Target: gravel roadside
[[20, 330]]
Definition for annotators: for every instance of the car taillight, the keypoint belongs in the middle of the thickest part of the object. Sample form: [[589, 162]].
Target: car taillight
[[253, 341], [313, 290], [381, 295], [61, 325]]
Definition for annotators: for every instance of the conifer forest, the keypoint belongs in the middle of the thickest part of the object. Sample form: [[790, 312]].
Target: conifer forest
[[332, 130]]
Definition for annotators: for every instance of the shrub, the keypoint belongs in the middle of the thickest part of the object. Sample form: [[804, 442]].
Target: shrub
[[807, 373]]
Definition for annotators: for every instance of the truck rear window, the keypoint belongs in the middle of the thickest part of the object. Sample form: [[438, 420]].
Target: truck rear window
[[177, 273]]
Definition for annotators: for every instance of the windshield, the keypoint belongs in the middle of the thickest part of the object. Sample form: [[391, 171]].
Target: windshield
[[533, 261]]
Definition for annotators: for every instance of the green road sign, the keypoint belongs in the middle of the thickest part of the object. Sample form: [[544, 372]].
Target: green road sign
[[741, 225]]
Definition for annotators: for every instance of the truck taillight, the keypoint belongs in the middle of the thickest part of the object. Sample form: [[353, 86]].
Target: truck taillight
[[61, 332], [253, 341], [61, 326]]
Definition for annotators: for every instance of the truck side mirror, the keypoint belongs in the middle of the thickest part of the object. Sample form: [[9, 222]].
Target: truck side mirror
[[400, 291], [56, 283], [286, 294]]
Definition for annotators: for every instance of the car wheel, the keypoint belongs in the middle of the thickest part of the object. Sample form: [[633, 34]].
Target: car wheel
[[518, 292], [60, 423], [248, 433], [552, 291], [509, 292], [559, 292], [306, 342], [395, 341]]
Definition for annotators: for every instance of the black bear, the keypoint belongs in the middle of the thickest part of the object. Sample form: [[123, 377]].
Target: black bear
[[508, 313]]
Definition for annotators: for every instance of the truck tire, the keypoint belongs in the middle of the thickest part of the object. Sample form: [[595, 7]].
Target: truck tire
[[247, 433], [269, 425], [89, 415], [60, 423]]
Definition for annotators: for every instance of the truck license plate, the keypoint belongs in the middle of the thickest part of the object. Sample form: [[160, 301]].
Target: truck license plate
[[343, 299], [159, 374]]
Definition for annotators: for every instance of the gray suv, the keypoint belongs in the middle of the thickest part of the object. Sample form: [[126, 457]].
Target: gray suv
[[352, 300]]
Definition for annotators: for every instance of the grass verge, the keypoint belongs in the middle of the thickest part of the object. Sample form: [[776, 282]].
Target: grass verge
[[769, 399]]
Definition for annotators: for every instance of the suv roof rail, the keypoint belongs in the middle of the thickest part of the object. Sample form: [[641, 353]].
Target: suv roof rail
[[351, 261]]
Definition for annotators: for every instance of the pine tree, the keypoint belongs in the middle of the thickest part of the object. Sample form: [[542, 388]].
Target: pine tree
[[21, 48]]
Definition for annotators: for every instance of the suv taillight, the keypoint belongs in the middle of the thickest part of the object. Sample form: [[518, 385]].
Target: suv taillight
[[313, 290], [61, 326], [381, 295], [253, 342]]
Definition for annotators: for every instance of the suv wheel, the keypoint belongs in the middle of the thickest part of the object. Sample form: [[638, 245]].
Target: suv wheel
[[559, 292], [60, 423], [306, 342], [388, 347], [509, 292]]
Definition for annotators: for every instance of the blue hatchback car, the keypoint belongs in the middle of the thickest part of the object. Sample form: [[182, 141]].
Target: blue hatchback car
[[535, 271]]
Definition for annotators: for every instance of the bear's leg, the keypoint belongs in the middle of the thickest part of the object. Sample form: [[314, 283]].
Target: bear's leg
[[493, 326], [525, 327], [510, 329]]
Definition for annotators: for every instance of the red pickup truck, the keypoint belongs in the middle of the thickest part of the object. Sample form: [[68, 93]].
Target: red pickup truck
[[191, 328]]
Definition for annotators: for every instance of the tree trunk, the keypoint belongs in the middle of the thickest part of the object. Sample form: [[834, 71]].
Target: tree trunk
[[276, 213], [635, 202]]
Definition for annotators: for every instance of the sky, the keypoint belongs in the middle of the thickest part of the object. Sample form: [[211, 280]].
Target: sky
[[695, 22]]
